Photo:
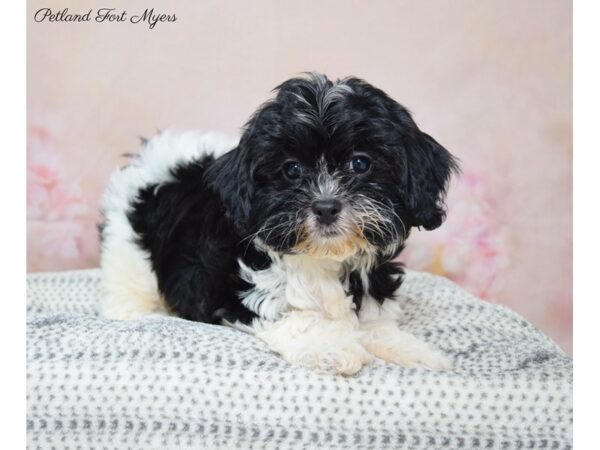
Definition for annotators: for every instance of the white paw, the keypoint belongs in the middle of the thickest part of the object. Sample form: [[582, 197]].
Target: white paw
[[343, 360], [393, 345], [427, 357], [305, 338]]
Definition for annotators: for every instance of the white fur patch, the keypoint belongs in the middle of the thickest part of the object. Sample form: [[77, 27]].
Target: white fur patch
[[297, 282], [267, 297], [327, 184], [371, 310]]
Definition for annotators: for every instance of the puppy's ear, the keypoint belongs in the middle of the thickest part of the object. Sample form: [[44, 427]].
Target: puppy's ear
[[429, 169], [230, 176]]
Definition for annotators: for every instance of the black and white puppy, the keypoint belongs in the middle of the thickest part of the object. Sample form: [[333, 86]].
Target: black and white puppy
[[289, 233]]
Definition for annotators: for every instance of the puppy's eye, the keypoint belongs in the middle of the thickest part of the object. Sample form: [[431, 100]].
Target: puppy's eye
[[360, 164], [292, 170]]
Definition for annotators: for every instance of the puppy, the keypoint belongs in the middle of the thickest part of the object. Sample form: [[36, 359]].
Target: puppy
[[290, 233]]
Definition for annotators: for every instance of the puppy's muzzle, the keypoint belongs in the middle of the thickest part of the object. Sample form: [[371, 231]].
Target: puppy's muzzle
[[327, 211]]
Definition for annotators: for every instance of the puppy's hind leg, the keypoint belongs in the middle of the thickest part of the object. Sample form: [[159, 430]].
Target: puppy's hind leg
[[129, 284]]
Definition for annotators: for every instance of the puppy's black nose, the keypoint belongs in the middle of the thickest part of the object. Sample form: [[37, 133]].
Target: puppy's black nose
[[327, 210]]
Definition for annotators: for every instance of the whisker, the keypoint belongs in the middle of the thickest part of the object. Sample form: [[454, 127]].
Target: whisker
[[377, 217]]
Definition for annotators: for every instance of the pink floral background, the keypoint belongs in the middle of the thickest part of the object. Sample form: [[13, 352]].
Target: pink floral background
[[490, 80]]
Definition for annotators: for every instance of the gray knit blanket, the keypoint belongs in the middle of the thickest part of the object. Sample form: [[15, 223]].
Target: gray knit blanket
[[167, 383]]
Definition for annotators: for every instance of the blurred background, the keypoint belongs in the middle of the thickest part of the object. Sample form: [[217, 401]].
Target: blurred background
[[491, 81]]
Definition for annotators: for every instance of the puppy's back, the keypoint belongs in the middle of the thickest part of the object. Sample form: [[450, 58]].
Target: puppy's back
[[130, 284]]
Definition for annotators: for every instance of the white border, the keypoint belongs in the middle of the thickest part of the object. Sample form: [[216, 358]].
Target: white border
[[12, 234], [586, 218]]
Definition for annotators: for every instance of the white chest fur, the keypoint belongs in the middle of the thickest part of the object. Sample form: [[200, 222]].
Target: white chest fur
[[297, 282]]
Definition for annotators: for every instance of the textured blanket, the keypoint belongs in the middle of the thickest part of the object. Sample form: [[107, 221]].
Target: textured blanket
[[167, 383]]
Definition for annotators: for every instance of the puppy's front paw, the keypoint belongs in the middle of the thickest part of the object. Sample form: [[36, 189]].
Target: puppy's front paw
[[343, 360], [398, 347], [427, 357], [305, 339]]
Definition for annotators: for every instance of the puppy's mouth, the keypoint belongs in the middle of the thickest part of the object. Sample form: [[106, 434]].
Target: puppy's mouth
[[328, 232], [330, 241]]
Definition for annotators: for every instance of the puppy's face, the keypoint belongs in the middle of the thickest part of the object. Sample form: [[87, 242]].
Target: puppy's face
[[335, 169]]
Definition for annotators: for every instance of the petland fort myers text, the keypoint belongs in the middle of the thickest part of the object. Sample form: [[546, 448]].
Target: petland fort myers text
[[149, 16]]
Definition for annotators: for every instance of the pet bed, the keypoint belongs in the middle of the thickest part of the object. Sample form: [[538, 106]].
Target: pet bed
[[167, 383]]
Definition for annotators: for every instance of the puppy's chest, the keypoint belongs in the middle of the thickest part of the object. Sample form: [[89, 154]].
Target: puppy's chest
[[297, 282]]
